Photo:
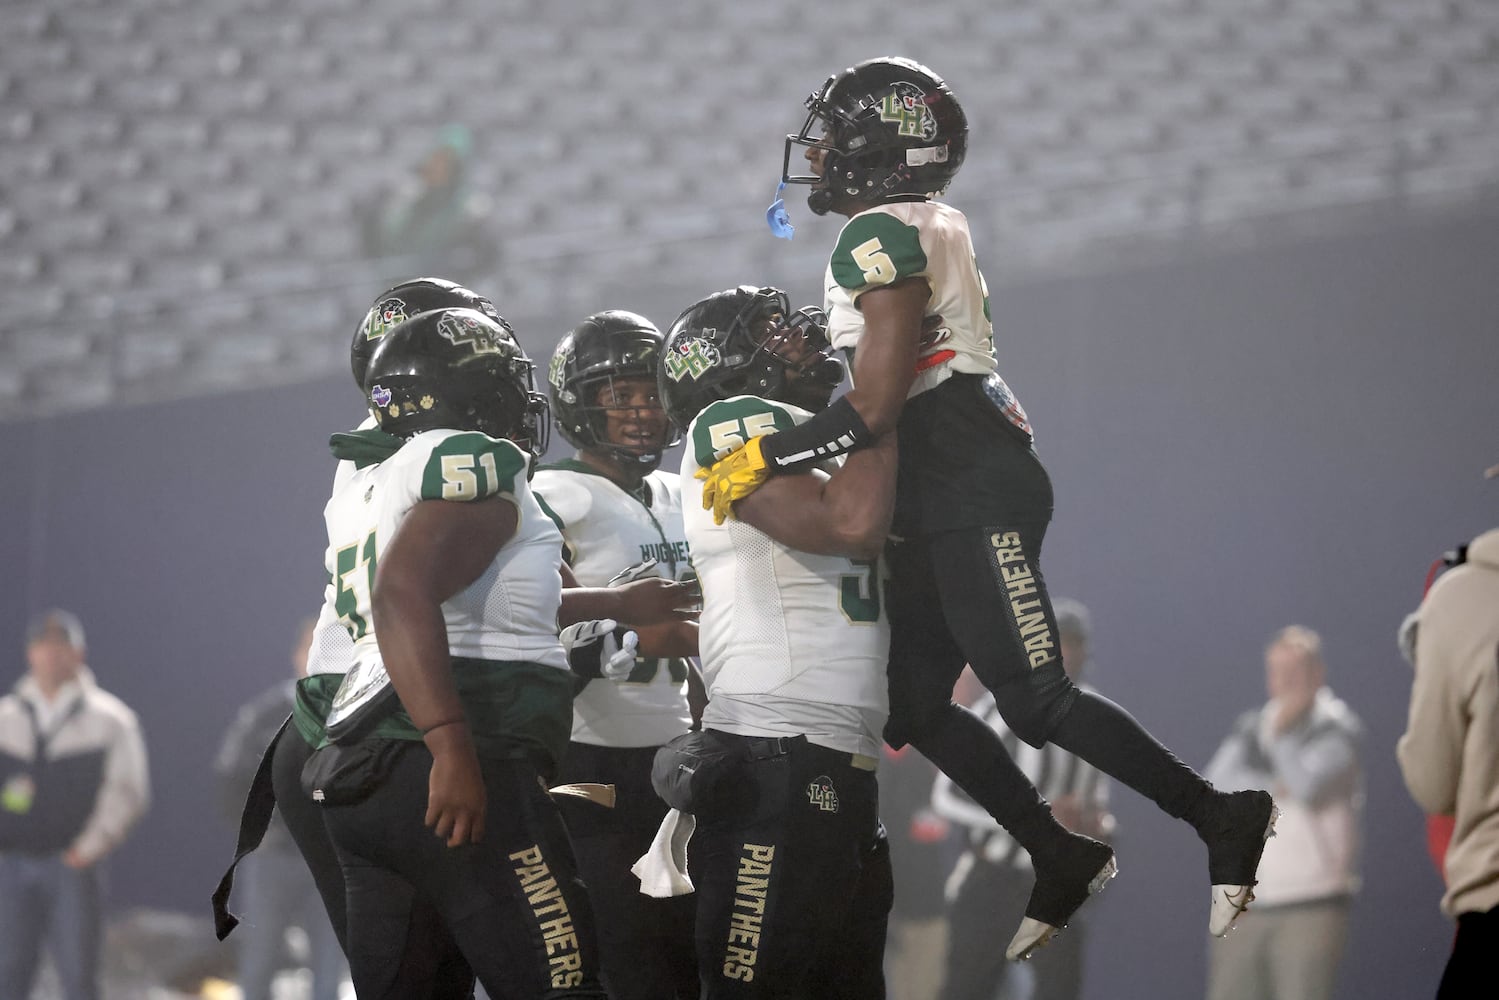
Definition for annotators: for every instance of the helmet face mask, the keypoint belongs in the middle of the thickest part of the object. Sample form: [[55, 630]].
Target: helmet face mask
[[456, 369], [887, 128], [747, 341], [402, 301], [587, 378]]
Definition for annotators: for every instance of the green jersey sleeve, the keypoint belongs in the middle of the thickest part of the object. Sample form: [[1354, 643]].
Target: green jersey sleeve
[[876, 249], [471, 466], [730, 423]]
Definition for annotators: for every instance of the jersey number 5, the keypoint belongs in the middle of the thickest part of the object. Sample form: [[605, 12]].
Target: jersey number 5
[[870, 256]]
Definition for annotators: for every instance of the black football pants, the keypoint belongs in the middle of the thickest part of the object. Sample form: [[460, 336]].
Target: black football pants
[[792, 872], [513, 901], [432, 966], [645, 944], [977, 596]]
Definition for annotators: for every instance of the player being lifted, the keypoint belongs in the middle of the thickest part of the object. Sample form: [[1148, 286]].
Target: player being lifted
[[791, 869], [973, 500], [615, 509]]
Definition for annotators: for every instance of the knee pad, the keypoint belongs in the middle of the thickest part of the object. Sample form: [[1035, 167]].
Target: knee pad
[[1033, 705]]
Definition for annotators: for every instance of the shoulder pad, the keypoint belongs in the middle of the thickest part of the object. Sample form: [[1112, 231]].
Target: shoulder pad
[[876, 249], [728, 424], [471, 466]]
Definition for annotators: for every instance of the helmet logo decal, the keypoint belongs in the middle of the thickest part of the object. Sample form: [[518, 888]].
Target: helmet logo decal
[[465, 331], [385, 315], [905, 106], [380, 395], [691, 357], [557, 370]]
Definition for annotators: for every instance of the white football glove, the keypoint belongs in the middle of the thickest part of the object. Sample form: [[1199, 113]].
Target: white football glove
[[600, 648]]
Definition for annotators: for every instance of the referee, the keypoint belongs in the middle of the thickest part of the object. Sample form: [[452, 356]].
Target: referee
[[992, 879]]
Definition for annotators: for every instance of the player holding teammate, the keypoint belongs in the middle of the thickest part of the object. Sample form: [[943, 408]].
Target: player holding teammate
[[904, 288], [791, 869], [616, 509]]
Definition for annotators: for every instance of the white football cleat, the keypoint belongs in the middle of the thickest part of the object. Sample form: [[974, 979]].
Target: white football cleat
[[1228, 902]]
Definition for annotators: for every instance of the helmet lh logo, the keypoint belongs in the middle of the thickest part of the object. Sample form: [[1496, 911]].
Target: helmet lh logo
[[557, 370], [467, 331], [691, 357], [385, 315], [905, 106]]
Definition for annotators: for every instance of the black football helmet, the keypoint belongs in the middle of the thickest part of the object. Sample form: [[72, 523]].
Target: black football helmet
[[459, 369], [605, 346], [746, 341], [888, 127], [400, 302]]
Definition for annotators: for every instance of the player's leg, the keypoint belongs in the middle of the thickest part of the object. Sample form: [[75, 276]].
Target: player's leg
[[925, 660], [645, 944], [777, 859], [513, 901], [856, 969], [433, 965], [304, 819], [997, 605]]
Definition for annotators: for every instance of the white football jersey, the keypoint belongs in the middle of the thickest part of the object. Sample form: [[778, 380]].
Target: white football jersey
[[605, 529], [510, 611], [332, 649], [925, 239], [792, 643]]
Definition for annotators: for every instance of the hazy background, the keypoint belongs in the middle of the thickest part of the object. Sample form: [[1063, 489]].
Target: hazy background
[[1244, 263]]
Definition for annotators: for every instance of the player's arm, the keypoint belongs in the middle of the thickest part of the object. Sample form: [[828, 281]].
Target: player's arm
[[884, 368], [439, 549], [668, 639], [846, 514], [885, 363], [881, 263], [651, 601]]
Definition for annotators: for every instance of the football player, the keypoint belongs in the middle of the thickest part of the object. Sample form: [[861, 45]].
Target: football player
[[881, 139], [616, 509], [790, 865], [439, 972], [447, 579]]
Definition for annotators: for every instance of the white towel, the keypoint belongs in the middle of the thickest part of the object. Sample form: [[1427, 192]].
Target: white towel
[[663, 869]]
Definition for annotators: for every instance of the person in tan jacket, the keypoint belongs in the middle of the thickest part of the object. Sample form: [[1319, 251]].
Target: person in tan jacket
[[1449, 754]]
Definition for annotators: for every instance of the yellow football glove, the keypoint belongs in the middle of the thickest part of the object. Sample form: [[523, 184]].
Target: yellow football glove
[[733, 477]]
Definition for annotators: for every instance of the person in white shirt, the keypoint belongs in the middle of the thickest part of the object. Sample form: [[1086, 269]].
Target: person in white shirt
[[1305, 745]]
